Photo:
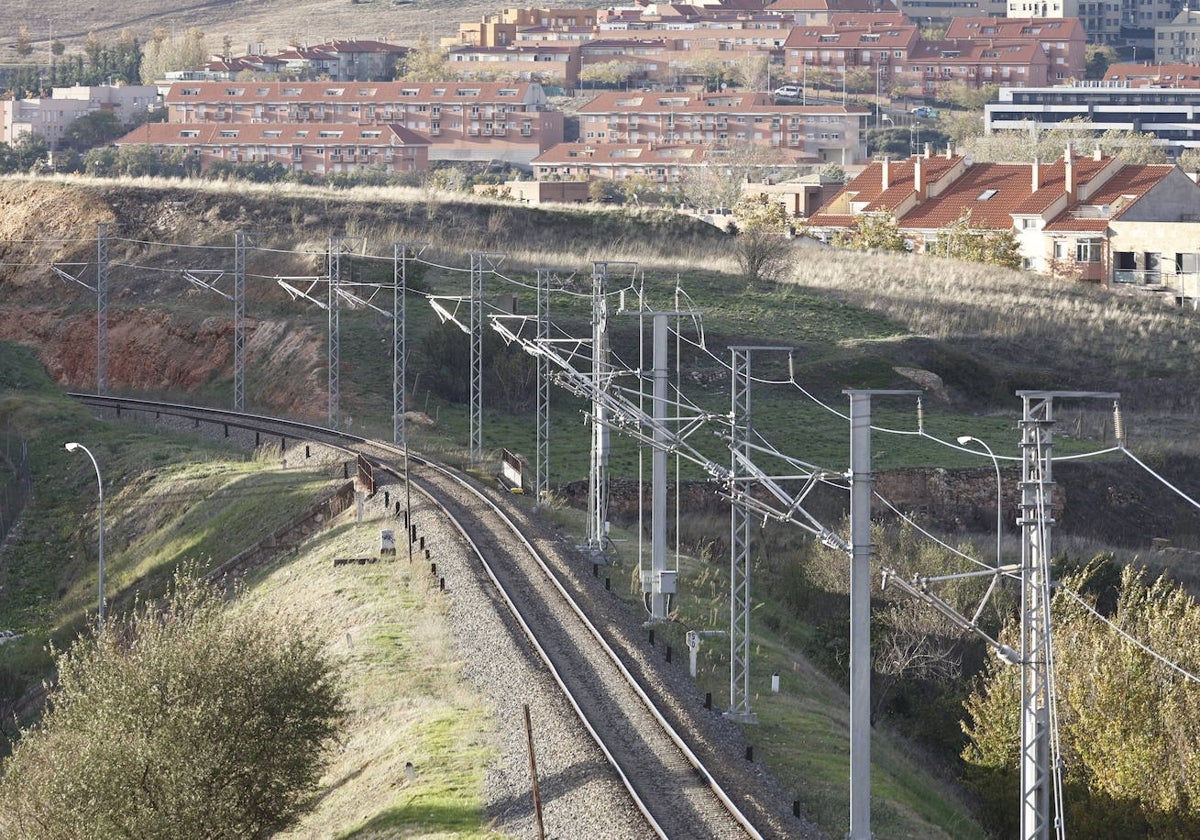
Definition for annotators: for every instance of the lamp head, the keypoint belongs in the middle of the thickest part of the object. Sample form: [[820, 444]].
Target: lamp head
[[962, 441], [71, 447]]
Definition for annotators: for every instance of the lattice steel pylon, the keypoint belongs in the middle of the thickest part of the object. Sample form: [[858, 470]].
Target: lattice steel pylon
[[739, 540], [240, 242], [101, 308], [478, 260], [400, 257], [1037, 660], [601, 380], [542, 456], [739, 531], [334, 338]]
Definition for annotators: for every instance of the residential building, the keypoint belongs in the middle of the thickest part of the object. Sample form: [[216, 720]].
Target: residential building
[[1123, 23], [545, 63], [49, 117], [879, 45], [943, 11], [344, 61], [1153, 75], [1089, 217], [1063, 40], [1179, 40], [462, 120], [820, 12], [662, 164], [324, 149], [931, 65], [1171, 114], [821, 133]]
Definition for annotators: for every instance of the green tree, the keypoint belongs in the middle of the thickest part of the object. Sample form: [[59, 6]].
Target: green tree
[[100, 161], [189, 719], [164, 54], [613, 73], [873, 231], [426, 62], [24, 42], [968, 98], [762, 245], [1189, 160], [964, 240], [1099, 57], [1129, 724], [91, 130]]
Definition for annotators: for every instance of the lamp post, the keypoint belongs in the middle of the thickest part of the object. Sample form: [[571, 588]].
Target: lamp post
[[72, 447], [963, 441]]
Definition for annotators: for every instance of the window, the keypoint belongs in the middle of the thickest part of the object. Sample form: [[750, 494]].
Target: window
[[1087, 250]]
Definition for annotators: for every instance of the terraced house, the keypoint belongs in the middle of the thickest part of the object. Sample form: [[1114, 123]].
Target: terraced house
[[325, 149], [1089, 217], [461, 120]]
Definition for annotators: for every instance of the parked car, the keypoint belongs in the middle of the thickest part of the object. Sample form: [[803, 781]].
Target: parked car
[[791, 91], [923, 112]]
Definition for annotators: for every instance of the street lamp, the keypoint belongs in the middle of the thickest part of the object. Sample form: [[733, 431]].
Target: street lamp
[[963, 441], [72, 447]]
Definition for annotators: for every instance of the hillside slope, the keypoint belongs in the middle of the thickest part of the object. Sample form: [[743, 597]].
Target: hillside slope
[[273, 22]]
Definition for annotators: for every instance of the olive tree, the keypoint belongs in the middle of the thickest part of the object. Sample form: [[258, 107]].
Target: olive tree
[[183, 720]]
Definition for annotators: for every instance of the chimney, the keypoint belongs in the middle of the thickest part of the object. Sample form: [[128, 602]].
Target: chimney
[[918, 178], [949, 151], [1036, 171], [1069, 171], [928, 150], [1096, 153], [886, 178]]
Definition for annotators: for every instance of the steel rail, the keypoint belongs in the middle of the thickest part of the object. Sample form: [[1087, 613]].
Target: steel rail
[[347, 442]]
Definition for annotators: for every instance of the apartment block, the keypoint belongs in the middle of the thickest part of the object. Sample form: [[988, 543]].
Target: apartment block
[[817, 133], [1171, 114], [1063, 40], [49, 117], [320, 149], [462, 120]]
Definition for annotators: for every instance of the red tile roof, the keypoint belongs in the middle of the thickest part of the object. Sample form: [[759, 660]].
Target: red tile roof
[[992, 193]]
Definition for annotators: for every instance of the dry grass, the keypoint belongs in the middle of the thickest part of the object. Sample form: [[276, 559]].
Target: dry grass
[[1087, 337], [406, 702], [273, 22]]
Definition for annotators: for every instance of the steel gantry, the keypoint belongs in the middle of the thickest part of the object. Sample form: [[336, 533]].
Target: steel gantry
[[100, 290], [338, 245], [240, 241], [480, 261], [1039, 764], [207, 278], [546, 278], [102, 308], [739, 531], [402, 252]]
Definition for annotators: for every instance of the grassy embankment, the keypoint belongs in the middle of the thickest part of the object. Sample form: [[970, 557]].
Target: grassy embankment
[[172, 499]]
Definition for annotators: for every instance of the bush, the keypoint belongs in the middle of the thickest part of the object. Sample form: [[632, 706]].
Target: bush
[[185, 721]]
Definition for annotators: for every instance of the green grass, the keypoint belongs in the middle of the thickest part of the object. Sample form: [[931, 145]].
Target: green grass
[[406, 702], [802, 734]]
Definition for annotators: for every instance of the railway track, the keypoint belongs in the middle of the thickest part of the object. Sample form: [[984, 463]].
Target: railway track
[[667, 781]]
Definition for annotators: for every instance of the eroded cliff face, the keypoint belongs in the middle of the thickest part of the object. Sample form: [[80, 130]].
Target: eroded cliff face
[[163, 334]]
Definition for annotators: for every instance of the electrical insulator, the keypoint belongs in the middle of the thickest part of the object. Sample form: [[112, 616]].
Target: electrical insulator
[[791, 368], [920, 417], [1118, 424]]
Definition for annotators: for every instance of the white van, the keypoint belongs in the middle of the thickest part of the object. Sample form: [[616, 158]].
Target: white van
[[791, 91]]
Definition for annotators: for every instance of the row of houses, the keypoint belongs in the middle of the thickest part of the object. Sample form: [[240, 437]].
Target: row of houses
[[975, 51], [1090, 217]]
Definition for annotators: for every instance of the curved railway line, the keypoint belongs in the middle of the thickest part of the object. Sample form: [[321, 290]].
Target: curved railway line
[[668, 782]]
